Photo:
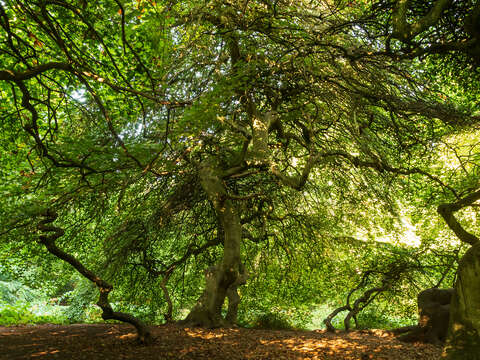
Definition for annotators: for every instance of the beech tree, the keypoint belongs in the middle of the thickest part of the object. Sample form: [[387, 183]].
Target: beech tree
[[194, 120], [447, 32]]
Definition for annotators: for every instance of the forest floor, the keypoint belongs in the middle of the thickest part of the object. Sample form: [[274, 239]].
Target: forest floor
[[117, 342]]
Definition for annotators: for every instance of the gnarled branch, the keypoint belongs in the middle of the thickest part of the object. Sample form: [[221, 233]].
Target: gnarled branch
[[104, 287], [447, 212]]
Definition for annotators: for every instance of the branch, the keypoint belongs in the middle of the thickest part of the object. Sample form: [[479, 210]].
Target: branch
[[32, 129], [298, 182], [367, 297], [329, 318], [153, 97], [381, 167], [447, 210], [11, 75], [104, 287], [404, 31]]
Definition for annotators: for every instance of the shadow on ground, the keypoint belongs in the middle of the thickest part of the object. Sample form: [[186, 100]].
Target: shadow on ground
[[116, 342]]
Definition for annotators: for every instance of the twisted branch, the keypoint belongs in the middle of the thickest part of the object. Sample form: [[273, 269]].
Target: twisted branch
[[49, 233]]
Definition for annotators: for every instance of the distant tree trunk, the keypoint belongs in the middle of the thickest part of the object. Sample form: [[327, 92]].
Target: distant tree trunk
[[463, 339], [219, 278], [434, 312]]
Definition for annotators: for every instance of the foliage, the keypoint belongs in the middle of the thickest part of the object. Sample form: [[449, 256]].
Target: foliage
[[14, 291], [79, 302], [331, 144], [273, 321], [23, 313]]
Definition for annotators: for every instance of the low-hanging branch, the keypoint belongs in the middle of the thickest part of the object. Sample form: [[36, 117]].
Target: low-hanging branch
[[49, 233], [328, 320]]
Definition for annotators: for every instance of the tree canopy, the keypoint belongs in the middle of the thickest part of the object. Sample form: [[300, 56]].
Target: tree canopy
[[259, 142]]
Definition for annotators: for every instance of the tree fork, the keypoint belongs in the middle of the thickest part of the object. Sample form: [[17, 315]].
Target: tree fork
[[144, 335]]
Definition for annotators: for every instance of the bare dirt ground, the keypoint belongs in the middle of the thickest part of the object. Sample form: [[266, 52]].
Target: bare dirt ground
[[117, 342]]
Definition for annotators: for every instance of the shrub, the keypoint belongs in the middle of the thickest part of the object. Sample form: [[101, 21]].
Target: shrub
[[273, 321], [373, 319], [12, 292], [20, 314]]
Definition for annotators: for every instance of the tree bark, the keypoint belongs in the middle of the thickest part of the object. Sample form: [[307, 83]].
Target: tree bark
[[219, 279], [233, 297], [433, 310], [463, 339]]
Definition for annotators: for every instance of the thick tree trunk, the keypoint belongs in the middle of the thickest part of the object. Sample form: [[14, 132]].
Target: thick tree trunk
[[433, 311], [463, 339], [233, 297], [220, 279]]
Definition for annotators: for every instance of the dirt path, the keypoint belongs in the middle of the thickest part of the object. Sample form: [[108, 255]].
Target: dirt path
[[117, 342]]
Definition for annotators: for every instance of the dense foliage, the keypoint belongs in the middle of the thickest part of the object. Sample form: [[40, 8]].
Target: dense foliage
[[294, 152]]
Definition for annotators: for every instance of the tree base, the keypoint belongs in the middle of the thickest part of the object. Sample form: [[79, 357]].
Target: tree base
[[464, 333], [466, 346], [203, 318], [434, 311]]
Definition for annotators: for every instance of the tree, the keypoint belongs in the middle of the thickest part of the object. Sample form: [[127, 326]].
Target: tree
[[447, 30], [174, 129]]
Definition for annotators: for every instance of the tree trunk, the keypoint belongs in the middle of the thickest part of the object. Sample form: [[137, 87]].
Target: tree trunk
[[433, 310], [219, 279], [463, 339], [233, 297]]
